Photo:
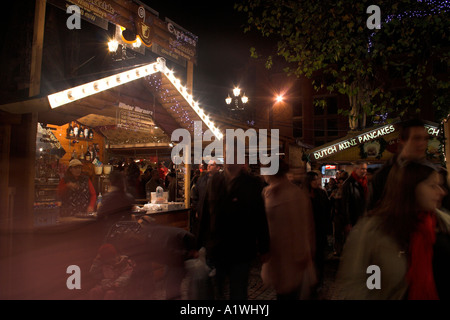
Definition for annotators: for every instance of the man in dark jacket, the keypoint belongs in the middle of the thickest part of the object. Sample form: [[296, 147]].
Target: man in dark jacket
[[233, 227], [354, 195], [198, 194]]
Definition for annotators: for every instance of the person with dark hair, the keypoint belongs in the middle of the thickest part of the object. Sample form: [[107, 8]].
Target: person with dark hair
[[402, 237], [76, 191], [355, 193], [198, 193], [132, 178], [154, 182], [172, 177], [143, 179], [321, 208], [290, 269], [413, 145]]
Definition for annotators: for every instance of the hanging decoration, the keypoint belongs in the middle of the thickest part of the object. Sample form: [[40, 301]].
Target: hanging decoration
[[373, 149]]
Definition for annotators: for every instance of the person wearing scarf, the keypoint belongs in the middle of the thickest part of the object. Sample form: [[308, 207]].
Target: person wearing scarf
[[403, 236]]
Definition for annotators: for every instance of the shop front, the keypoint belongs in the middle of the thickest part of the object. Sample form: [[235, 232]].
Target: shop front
[[106, 108]]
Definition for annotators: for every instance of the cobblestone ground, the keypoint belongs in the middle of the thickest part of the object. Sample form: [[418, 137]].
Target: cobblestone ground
[[257, 290]]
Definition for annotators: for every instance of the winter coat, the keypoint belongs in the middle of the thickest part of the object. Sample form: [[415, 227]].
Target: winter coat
[[368, 245], [292, 242]]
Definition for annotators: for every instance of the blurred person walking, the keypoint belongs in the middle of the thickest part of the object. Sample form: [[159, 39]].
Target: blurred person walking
[[338, 217], [413, 138], [406, 237], [322, 221], [290, 269], [117, 204], [233, 228]]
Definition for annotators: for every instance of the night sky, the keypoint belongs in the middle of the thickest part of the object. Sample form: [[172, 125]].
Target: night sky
[[222, 48]]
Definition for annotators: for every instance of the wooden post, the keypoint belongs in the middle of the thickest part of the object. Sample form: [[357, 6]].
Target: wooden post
[[187, 177], [22, 164], [5, 139], [36, 50]]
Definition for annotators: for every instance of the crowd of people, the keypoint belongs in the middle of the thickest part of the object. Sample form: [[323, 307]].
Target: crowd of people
[[395, 218]]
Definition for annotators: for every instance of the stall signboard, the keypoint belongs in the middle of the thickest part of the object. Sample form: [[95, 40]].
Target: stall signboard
[[363, 139], [134, 118], [94, 12], [173, 41]]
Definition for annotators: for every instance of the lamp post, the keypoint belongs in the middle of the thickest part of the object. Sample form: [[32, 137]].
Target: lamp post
[[238, 101]]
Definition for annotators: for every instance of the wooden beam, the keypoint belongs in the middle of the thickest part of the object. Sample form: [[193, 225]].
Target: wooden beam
[[36, 49], [9, 118], [27, 106]]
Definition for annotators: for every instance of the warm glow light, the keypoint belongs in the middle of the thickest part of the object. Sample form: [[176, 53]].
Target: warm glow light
[[137, 43], [90, 88], [279, 98], [113, 45], [72, 94], [236, 91], [228, 99], [190, 100], [244, 99]]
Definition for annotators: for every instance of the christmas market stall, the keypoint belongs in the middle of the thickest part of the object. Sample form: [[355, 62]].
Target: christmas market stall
[[374, 145]]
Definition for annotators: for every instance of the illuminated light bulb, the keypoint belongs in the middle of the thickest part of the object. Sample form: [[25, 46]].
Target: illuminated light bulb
[[67, 96], [244, 99], [137, 43], [113, 45], [236, 91], [75, 93], [228, 99]]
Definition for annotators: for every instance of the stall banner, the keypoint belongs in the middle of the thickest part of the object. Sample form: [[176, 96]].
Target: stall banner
[[372, 144]]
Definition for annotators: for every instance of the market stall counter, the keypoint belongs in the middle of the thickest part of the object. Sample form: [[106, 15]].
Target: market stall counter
[[66, 224], [173, 214]]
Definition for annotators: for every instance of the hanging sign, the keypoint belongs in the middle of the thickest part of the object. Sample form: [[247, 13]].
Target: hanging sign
[[144, 31], [363, 139], [134, 118]]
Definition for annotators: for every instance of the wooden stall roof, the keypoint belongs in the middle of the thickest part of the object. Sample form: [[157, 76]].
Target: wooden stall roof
[[154, 93]]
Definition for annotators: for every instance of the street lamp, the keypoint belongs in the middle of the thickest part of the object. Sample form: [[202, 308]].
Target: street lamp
[[279, 98], [238, 101]]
